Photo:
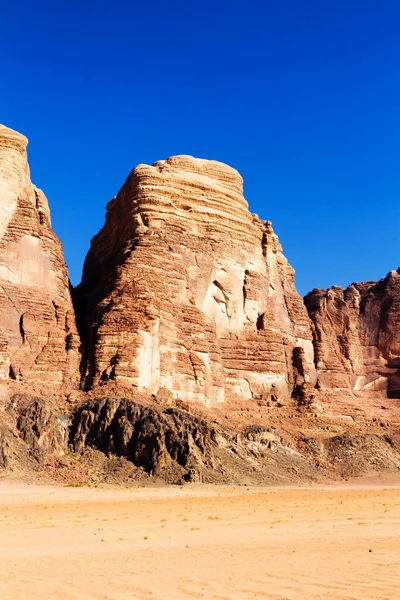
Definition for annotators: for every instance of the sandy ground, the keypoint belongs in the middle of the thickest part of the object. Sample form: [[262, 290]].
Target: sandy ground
[[213, 543]]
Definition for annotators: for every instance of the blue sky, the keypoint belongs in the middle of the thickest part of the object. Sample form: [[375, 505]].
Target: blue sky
[[303, 98]]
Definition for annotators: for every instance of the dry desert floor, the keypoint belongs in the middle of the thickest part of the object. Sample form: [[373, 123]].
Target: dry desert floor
[[199, 542]]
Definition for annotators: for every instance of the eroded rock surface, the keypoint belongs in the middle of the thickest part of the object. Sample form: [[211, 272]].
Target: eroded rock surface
[[178, 446], [38, 337], [183, 289], [357, 336], [32, 431], [354, 455]]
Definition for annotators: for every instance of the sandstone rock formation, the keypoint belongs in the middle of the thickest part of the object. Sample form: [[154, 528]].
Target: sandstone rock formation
[[186, 298], [357, 336], [184, 290], [38, 337]]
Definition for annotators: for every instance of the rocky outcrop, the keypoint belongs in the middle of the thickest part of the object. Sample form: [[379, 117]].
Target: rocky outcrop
[[40, 426], [184, 290], [357, 336], [38, 336], [178, 446], [353, 455], [149, 437], [32, 431]]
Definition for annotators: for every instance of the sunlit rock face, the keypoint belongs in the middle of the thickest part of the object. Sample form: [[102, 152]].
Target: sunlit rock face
[[357, 336], [38, 337], [184, 289]]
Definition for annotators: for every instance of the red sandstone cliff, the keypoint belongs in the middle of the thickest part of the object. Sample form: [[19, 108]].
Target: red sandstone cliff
[[184, 290], [357, 336], [38, 337]]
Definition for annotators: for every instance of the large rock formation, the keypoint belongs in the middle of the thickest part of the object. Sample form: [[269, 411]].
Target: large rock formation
[[357, 336], [185, 296], [179, 446], [184, 290], [38, 337]]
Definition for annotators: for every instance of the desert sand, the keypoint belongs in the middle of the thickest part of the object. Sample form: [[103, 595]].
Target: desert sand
[[199, 542]]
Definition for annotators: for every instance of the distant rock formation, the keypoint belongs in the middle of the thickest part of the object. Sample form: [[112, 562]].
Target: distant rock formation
[[357, 336], [38, 337], [185, 291]]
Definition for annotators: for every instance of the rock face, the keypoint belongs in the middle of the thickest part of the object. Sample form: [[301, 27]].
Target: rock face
[[357, 336], [40, 426], [149, 437], [184, 290], [38, 337], [32, 433], [178, 446]]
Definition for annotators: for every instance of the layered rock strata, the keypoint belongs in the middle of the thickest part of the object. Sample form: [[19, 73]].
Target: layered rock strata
[[357, 336], [185, 290], [38, 336]]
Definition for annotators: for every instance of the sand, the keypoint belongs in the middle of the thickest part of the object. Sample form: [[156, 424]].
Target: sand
[[198, 542]]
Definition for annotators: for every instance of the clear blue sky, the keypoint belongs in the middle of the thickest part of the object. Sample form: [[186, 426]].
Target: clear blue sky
[[302, 97]]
